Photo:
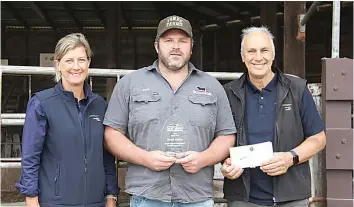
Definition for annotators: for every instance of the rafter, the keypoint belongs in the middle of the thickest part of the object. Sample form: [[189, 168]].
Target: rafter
[[243, 6], [16, 14], [72, 15], [39, 10], [100, 14], [224, 10], [179, 9], [125, 6]]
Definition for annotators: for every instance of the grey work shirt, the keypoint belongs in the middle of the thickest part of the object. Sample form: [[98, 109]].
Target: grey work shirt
[[141, 103]]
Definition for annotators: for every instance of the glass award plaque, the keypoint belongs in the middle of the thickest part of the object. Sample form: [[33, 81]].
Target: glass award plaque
[[174, 139]]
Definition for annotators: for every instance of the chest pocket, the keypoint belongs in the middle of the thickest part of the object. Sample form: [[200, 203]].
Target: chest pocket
[[202, 109], [145, 107]]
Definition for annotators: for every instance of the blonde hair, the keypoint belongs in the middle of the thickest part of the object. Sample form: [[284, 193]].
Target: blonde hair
[[70, 42]]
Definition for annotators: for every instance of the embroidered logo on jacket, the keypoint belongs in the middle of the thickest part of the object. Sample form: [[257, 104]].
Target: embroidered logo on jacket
[[287, 107], [95, 117]]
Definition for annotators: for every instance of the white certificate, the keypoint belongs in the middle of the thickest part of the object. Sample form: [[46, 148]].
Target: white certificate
[[251, 156]]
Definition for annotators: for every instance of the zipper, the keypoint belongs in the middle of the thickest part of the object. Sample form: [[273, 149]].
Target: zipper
[[276, 141], [84, 137], [56, 180]]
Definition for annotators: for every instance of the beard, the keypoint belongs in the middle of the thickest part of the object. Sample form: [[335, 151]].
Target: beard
[[173, 65]]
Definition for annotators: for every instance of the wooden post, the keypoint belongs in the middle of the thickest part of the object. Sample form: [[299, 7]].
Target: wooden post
[[215, 51], [3, 42], [269, 19], [294, 50], [135, 37], [113, 40], [114, 21]]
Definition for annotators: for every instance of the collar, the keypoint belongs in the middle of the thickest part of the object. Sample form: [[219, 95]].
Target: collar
[[240, 83], [271, 86], [69, 95]]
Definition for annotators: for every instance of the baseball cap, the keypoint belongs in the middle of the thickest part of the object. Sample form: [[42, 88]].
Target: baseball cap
[[174, 22]]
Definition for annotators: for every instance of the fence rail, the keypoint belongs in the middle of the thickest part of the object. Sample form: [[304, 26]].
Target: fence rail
[[18, 119]]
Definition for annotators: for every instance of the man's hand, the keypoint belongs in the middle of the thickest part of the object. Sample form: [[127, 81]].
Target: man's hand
[[230, 171], [157, 161], [110, 202], [278, 165], [190, 161], [32, 202]]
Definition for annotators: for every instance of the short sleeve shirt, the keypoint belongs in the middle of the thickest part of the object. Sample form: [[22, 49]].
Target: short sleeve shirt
[[142, 102]]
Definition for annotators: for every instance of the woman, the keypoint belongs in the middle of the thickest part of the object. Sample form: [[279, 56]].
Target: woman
[[64, 162]]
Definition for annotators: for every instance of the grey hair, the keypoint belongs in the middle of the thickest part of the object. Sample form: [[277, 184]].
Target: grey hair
[[70, 42], [249, 30]]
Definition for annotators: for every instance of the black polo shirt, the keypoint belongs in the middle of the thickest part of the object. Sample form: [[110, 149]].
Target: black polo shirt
[[260, 119], [260, 106]]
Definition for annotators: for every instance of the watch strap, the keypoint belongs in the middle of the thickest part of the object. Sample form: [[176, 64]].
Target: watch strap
[[295, 157]]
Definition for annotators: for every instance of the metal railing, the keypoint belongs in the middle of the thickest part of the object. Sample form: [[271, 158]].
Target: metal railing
[[18, 119]]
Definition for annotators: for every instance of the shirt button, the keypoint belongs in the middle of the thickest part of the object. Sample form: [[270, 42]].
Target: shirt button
[[261, 106], [262, 97]]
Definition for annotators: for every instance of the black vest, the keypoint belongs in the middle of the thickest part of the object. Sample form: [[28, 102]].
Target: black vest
[[295, 184]]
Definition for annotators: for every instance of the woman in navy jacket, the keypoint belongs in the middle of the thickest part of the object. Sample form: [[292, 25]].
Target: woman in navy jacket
[[64, 162]]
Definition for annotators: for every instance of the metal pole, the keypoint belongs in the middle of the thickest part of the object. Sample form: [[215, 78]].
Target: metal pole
[[309, 12], [32, 70], [0, 100], [29, 86], [12, 122], [10, 165], [335, 29], [13, 116]]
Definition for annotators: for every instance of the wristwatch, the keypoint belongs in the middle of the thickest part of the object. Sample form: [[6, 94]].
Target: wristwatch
[[295, 157]]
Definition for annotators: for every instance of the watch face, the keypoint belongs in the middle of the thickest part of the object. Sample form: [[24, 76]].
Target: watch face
[[296, 159]]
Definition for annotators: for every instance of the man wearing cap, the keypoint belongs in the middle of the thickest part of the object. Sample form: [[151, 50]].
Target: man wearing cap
[[172, 123]]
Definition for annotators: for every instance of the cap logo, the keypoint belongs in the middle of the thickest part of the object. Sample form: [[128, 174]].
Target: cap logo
[[174, 21]]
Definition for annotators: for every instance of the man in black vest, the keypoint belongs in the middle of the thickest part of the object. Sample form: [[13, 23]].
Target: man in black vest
[[268, 105]]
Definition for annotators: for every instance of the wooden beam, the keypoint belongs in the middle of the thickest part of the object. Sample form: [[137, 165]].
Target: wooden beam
[[126, 6], [72, 15], [187, 11], [294, 50], [16, 14], [39, 10], [218, 7], [99, 14], [251, 8], [269, 19]]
